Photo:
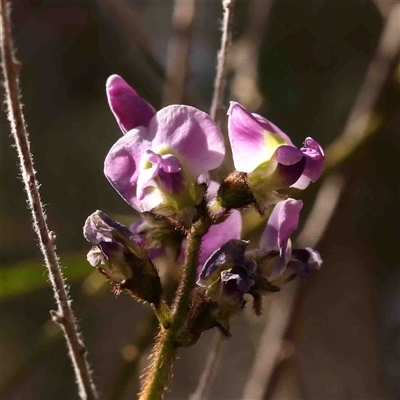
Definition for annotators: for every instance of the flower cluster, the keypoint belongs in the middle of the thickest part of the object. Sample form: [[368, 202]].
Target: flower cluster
[[160, 167]]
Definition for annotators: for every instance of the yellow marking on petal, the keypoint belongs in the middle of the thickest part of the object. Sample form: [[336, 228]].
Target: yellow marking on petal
[[272, 142]]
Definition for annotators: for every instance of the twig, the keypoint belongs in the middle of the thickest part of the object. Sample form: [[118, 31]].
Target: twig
[[130, 24], [355, 132], [269, 349], [217, 106], [204, 385], [178, 51], [246, 53], [360, 123], [64, 316]]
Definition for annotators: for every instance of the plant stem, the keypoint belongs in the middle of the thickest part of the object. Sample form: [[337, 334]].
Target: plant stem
[[64, 316], [164, 351], [220, 79]]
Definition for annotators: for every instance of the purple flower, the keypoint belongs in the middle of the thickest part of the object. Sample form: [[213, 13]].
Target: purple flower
[[227, 275], [268, 156], [156, 166], [283, 220]]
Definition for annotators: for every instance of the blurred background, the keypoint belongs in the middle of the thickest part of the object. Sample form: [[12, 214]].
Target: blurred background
[[299, 63]]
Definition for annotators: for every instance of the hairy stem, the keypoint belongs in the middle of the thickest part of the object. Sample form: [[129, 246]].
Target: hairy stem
[[64, 316], [164, 351], [217, 106]]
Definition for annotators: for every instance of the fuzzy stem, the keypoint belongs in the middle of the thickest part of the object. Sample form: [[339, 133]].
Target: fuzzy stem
[[220, 78], [64, 316], [164, 351]]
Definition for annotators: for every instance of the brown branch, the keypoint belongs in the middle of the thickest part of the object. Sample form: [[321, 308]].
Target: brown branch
[[217, 106], [214, 355], [64, 315], [246, 53], [361, 121], [178, 51]]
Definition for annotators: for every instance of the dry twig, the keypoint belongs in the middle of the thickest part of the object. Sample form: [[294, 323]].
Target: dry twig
[[64, 316], [178, 51]]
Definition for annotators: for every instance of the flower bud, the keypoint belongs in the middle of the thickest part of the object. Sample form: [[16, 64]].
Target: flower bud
[[123, 260]]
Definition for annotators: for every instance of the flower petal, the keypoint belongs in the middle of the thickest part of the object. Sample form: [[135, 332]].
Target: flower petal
[[270, 127], [314, 163], [283, 220], [286, 166], [168, 163], [190, 135], [253, 138], [122, 168], [129, 109]]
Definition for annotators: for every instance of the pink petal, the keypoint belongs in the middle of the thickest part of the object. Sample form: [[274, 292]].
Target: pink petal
[[129, 109], [253, 139], [283, 220], [314, 163], [190, 135], [122, 165]]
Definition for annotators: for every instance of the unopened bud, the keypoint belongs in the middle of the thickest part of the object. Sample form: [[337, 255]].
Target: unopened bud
[[122, 259]]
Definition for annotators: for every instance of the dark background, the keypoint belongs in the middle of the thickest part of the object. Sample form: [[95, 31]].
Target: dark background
[[311, 57]]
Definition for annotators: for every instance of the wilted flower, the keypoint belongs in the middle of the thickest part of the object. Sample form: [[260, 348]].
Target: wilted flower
[[228, 276], [121, 258], [156, 166], [269, 158]]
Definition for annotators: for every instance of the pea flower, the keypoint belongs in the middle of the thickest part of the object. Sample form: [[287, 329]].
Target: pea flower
[[277, 261], [158, 164], [268, 157]]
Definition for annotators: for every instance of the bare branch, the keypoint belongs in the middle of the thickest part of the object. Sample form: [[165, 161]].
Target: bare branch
[[178, 51], [217, 106], [360, 123], [204, 385], [64, 316]]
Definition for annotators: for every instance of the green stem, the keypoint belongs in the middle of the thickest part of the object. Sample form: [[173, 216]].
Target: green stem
[[165, 349]]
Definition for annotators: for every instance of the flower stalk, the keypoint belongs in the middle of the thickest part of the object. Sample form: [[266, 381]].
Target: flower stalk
[[165, 349]]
